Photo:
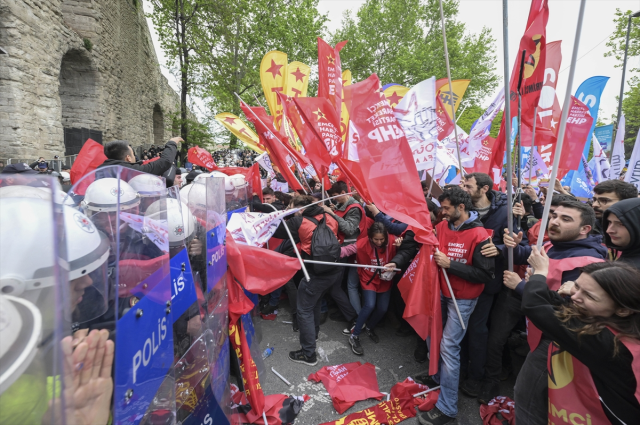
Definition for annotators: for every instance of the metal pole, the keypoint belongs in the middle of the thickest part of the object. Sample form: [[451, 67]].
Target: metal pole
[[453, 297], [563, 124], [453, 109], [274, 136], [295, 248], [348, 265], [507, 122], [519, 147], [533, 138], [463, 109]]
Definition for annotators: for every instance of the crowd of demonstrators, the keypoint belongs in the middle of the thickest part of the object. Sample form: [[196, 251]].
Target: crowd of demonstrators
[[234, 157]]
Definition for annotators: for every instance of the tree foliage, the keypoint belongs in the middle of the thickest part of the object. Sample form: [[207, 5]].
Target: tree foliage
[[618, 39], [401, 41], [631, 109]]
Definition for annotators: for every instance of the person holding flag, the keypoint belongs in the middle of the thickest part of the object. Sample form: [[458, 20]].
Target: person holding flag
[[461, 239]]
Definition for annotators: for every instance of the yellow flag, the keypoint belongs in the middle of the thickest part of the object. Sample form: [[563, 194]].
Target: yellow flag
[[344, 113], [395, 93], [458, 87], [273, 73], [297, 80], [236, 126]]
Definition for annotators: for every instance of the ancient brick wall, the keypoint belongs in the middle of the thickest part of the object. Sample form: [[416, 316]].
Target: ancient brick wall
[[75, 64]]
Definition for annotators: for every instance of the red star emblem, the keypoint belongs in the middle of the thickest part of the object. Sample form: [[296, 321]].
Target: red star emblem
[[274, 69], [319, 114], [485, 142], [394, 99], [298, 74], [229, 120], [331, 60]]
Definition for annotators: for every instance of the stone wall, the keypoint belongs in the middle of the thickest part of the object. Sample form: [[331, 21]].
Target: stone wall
[[79, 64]]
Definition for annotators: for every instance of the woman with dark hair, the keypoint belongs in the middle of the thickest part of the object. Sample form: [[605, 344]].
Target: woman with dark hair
[[377, 249], [594, 361]]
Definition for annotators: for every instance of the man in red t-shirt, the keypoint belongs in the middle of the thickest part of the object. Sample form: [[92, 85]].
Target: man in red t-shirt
[[461, 236]]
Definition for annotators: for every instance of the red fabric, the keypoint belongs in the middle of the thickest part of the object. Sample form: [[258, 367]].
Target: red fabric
[[443, 120], [330, 73], [482, 163], [273, 404], [401, 406], [386, 159], [500, 405], [554, 281], [239, 303], [324, 121], [535, 60], [578, 126], [366, 255], [273, 141], [248, 265], [133, 272], [420, 289], [199, 156], [459, 246], [248, 368], [146, 161], [89, 158], [305, 232], [313, 145], [354, 174], [533, 233], [348, 383], [274, 243], [253, 178]]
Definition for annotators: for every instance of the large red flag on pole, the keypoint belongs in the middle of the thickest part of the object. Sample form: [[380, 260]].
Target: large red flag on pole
[[198, 156], [330, 73], [385, 157], [89, 158], [578, 125], [534, 42], [270, 139]]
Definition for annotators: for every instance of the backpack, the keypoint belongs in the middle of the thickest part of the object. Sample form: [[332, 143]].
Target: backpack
[[324, 246]]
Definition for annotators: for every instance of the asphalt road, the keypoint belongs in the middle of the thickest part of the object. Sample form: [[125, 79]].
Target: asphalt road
[[392, 356]]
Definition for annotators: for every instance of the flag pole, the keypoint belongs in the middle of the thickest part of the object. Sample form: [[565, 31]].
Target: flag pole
[[453, 297], [366, 266], [507, 123], [533, 138], [519, 148], [274, 136], [453, 109], [295, 248], [563, 124]]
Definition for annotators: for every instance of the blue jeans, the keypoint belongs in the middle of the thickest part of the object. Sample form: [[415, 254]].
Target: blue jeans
[[353, 283], [449, 368], [374, 308]]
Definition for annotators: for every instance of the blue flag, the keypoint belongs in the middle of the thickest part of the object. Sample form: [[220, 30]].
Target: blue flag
[[589, 93]]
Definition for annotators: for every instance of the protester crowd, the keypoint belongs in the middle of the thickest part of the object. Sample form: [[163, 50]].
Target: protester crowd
[[576, 298]]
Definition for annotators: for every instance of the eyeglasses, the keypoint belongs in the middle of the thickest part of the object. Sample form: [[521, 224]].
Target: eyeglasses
[[604, 201]]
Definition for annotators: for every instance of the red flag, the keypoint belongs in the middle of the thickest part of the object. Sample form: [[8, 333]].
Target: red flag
[[500, 411], [248, 367], [248, 264], [483, 157], [199, 156], [443, 120], [420, 289], [348, 383], [251, 176], [330, 73], [146, 161], [89, 158], [385, 157], [324, 121], [354, 173], [578, 125], [317, 153], [534, 42], [401, 406], [270, 138], [280, 409]]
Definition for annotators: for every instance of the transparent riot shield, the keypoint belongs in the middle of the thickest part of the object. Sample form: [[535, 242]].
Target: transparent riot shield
[[140, 315], [236, 196], [37, 300]]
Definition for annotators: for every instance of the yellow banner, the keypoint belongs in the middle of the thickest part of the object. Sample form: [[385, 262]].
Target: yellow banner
[[344, 114], [459, 87], [273, 73], [241, 130], [297, 80], [395, 93]]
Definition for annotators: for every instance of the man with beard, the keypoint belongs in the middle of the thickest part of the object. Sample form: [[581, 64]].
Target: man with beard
[[461, 239], [570, 241], [492, 210], [606, 194]]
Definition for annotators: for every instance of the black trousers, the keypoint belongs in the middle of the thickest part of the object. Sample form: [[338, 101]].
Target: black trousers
[[505, 316], [531, 392], [309, 300], [473, 350]]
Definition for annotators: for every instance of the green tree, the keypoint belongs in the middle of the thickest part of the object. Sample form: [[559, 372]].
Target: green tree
[[401, 41], [468, 117], [229, 54], [631, 109], [618, 39]]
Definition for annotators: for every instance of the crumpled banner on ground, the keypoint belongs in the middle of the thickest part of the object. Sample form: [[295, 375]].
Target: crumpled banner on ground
[[500, 411], [280, 409], [347, 383]]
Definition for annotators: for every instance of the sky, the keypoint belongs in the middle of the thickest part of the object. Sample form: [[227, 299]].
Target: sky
[[597, 26]]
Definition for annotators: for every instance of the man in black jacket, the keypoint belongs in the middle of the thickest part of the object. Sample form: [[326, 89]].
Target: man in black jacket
[[605, 195], [118, 152], [621, 223], [269, 198]]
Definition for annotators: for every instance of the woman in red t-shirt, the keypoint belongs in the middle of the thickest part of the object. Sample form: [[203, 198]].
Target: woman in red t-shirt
[[377, 249]]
